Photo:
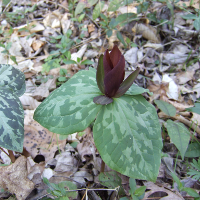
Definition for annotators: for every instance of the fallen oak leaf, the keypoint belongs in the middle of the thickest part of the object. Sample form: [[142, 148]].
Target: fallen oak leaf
[[14, 178]]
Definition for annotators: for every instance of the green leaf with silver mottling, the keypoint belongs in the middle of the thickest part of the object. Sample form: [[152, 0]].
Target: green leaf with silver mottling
[[179, 135], [193, 150], [166, 107], [135, 90], [12, 78], [111, 180], [11, 120], [127, 135], [195, 109], [70, 108]]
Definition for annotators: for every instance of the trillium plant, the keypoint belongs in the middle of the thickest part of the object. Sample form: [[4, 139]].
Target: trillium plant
[[126, 130]]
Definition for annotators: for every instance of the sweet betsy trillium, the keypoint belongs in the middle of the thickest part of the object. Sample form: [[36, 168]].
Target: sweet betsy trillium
[[126, 128], [110, 76]]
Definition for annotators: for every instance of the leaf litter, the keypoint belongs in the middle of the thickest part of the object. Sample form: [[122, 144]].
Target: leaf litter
[[170, 69]]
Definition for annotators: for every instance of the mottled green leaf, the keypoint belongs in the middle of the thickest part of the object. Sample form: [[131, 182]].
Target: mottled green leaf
[[179, 135], [97, 9], [111, 180], [92, 2], [70, 108], [79, 8], [11, 120], [114, 5], [68, 62], [176, 179], [197, 23], [132, 185], [121, 39], [87, 62], [12, 78], [189, 16], [191, 192], [195, 109], [135, 90], [193, 150], [109, 32], [127, 135], [140, 191], [167, 108], [69, 186]]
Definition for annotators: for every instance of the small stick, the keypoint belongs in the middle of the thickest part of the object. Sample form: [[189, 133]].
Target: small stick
[[102, 166]]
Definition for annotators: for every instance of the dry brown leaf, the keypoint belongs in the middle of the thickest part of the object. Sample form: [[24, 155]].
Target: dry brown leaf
[[112, 39], [37, 44], [195, 3], [26, 44], [154, 188], [158, 89], [14, 179], [91, 28], [147, 31], [184, 77], [182, 119], [85, 146], [39, 140], [53, 19], [42, 91], [65, 23], [33, 169], [66, 161], [29, 102]]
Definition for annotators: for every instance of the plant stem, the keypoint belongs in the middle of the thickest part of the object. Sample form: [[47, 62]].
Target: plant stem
[[11, 155], [102, 166]]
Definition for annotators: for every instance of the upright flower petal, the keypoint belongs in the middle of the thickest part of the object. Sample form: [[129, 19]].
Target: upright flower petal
[[107, 63], [126, 84], [113, 79], [115, 55]]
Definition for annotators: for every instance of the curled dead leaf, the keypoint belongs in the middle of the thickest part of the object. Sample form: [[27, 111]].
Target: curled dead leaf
[[14, 178], [147, 31]]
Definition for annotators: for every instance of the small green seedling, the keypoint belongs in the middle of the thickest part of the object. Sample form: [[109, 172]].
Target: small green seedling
[[181, 187], [62, 189]]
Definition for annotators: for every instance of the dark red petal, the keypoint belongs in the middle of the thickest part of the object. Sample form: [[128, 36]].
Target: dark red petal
[[126, 84], [108, 66], [113, 79], [115, 55], [100, 75], [103, 100]]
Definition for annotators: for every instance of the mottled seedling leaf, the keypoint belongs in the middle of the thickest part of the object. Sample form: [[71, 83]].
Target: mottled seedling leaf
[[195, 109], [193, 150], [127, 135], [13, 79], [70, 108], [12, 85], [179, 135], [167, 108], [135, 90], [111, 180]]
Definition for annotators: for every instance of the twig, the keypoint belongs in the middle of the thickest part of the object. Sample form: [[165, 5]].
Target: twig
[[57, 4], [4, 151]]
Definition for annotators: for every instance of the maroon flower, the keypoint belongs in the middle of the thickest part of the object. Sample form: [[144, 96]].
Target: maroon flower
[[110, 76]]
